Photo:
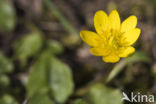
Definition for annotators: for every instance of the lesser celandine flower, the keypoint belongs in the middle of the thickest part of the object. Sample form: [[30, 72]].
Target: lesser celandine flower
[[113, 39]]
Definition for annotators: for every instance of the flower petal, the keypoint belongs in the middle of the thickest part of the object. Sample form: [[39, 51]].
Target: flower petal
[[129, 23], [99, 51], [111, 58], [130, 37], [90, 38], [101, 21], [114, 20], [127, 51]]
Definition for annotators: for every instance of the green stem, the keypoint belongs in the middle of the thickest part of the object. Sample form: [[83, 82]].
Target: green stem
[[116, 70], [51, 6]]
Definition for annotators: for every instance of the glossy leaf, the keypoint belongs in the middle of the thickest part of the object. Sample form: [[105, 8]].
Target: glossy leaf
[[54, 47], [61, 82], [7, 99], [40, 99], [7, 16], [100, 94], [38, 78], [28, 45], [6, 65], [4, 80], [79, 101], [50, 72]]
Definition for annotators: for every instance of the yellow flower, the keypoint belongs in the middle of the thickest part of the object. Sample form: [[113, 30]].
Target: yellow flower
[[113, 39]]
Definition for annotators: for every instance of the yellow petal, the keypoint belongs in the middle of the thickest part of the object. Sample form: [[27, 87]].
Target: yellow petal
[[90, 38], [99, 51], [101, 21], [127, 51], [111, 58], [130, 37], [114, 20], [129, 23]]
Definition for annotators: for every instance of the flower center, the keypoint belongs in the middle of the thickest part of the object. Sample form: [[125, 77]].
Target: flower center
[[112, 40]]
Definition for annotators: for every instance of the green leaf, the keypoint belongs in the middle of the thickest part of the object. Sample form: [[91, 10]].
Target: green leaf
[[4, 80], [139, 56], [28, 45], [50, 73], [40, 99], [7, 99], [5, 65], [61, 82], [100, 94], [7, 16], [79, 101], [38, 78], [54, 47]]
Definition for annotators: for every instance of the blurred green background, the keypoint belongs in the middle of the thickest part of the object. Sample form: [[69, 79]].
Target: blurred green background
[[44, 61]]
